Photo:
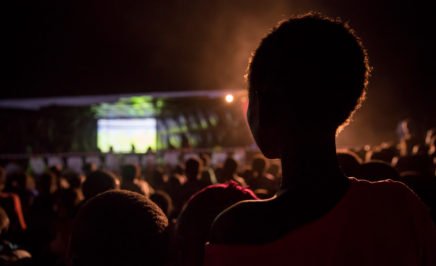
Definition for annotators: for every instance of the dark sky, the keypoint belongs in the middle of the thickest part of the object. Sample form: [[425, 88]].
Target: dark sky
[[80, 47]]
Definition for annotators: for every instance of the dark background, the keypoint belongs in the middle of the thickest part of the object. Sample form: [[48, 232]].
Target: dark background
[[86, 47]]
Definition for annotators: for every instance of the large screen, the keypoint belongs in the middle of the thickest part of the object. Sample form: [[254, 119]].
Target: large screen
[[122, 134]]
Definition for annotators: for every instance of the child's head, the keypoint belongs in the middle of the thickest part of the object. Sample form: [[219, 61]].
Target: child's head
[[308, 75]]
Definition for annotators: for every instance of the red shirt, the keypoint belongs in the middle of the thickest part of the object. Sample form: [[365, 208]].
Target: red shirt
[[375, 223]]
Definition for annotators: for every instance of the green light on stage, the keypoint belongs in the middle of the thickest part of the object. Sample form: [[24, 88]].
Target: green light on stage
[[132, 107]]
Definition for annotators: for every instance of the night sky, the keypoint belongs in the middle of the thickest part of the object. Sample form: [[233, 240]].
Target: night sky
[[86, 47]]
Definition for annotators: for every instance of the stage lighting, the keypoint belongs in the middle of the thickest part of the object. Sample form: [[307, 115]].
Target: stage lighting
[[229, 98]]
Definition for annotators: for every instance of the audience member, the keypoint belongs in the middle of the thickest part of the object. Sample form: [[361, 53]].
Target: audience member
[[349, 162], [229, 172], [259, 180], [193, 170], [377, 170], [131, 180], [305, 80], [11, 204], [196, 218], [97, 182], [10, 253], [164, 201], [208, 175], [119, 228]]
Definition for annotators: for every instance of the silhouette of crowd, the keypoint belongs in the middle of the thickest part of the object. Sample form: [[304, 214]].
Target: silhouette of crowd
[[252, 212], [37, 211]]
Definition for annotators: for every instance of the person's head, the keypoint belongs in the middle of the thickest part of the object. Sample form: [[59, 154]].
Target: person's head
[[384, 153], [258, 165], [421, 164], [89, 168], [163, 200], [193, 169], [179, 169], [349, 162], [205, 158], [377, 170], [230, 167], [119, 228], [66, 203], [74, 179], [275, 170], [197, 216], [98, 182], [55, 170], [47, 183], [16, 181], [305, 79], [130, 172]]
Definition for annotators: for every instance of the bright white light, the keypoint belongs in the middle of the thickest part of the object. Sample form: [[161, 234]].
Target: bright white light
[[121, 134], [229, 98]]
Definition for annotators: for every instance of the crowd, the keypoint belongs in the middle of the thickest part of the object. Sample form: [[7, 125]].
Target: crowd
[[319, 207], [37, 211]]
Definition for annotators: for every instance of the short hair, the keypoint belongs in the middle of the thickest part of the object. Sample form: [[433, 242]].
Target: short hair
[[378, 170], [164, 201], [349, 162], [119, 228], [192, 168], [315, 66], [97, 182], [129, 172], [198, 214], [230, 166]]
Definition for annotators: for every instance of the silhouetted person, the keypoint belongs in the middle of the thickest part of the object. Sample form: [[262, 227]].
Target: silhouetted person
[[305, 80], [174, 187], [193, 170], [208, 175], [275, 170], [18, 183], [262, 183], [195, 220], [384, 153], [229, 172], [10, 253], [75, 182], [349, 162], [119, 228], [98, 182], [42, 218], [164, 201], [88, 168], [407, 135], [11, 203], [131, 181], [377, 170]]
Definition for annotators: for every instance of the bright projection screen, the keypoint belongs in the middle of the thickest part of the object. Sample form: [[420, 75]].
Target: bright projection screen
[[121, 134]]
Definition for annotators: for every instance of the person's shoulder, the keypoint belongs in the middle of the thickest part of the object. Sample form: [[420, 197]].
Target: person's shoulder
[[391, 192], [384, 186], [235, 224]]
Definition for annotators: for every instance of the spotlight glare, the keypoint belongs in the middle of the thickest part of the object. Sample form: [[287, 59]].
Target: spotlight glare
[[229, 98]]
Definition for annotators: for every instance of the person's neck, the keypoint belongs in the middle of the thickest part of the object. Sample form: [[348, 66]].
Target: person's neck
[[310, 165]]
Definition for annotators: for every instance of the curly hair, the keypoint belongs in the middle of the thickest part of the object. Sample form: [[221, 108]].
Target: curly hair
[[312, 66]]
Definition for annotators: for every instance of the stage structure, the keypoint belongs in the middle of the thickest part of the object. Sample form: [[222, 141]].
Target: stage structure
[[126, 123]]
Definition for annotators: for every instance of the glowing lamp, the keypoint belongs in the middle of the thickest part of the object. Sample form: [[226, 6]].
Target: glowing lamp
[[229, 98]]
